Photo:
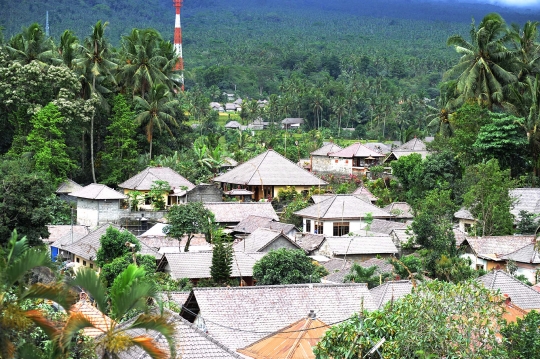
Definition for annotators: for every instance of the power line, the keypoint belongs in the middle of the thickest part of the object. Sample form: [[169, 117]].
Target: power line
[[263, 332]]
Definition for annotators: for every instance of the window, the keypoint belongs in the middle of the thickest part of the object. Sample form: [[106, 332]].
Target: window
[[91, 265], [78, 260], [84, 263], [341, 228], [308, 225], [318, 228], [479, 267]]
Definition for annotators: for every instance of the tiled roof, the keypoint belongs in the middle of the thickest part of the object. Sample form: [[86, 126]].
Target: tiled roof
[[292, 121], [155, 231], [400, 210], [98, 192], [363, 191], [260, 239], [384, 226], [343, 206], [295, 341], [399, 154], [359, 245], [87, 246], [189, 342], [251, 223], [463, 213], [401, 235], [521, 294], [337, 270], [68, 186], [527, 254], [270, 169], [100, 321], [309, 241], [390, 291], [233, 124], [238, 192], [326, 149], [231, 212], [356, 150], [382, 265], [379, 147], [179, 298], [497, 246], [261, 310], [527, 199], [143, 180], [61, 234], [414, 145], [459, 235], [196, 265]]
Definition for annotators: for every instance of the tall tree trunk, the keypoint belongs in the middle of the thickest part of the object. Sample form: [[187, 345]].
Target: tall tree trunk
[[92, 135]]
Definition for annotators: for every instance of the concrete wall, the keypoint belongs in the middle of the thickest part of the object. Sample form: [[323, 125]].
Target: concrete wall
[[279, 243], [205, 193], [93, 213], [328, 226], [528, 270]]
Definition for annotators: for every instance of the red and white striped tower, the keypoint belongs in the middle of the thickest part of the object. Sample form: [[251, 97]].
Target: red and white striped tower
[[178, 41]]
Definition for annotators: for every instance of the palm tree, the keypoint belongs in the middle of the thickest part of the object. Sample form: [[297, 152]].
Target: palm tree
[[31, 45], [486, 65], [339, 106], [156, 111], [96, 66], [67, 48], [130, 291], [15, 317], [525, 48]]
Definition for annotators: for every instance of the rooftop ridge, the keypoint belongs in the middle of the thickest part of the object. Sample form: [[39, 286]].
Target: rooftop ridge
[[302, 285]]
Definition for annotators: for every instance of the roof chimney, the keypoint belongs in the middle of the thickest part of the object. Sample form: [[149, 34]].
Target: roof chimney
[[312, 314]]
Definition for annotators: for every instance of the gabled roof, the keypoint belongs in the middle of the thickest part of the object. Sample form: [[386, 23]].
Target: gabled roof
[[360, 245], [233, 124], [527, 199], [356, 150], [61, 234], [143, 180], [384, 226], [309, 241], [196, 265], [521, 294], [326, 149], [343, 206], [379, 147], [189, 341], [260, 239], [231, 212], [337, 269], [68, 186], [363, 191], [497, 246], [252, 222], [270, 169], [382, 265], [238, 192], [463, 213], [400, 210], [527, 254], [413, 145], [390, 291], [179, 298], [293, 121], [97, 192], [236, 316], [295, 341], [101, 322], [87, 246]]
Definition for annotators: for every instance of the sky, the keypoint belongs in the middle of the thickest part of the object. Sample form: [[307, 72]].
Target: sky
[[510, 3]]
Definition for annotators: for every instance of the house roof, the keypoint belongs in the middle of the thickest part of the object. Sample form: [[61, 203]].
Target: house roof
[[270, 169], [309, 241], [413, 145], [343, 207], [260, 239], [235, 212], [233, 124], [463, 213], [326, 149], [363, 191], [229, 162], [382, 265], [61, 234], [337, 270], [356, 150], [179, 298], [390, 291], [189, 341], [400, 210], [527, 199], [68, 186], [100, 321], [155, 231], [143, 180], [527, 254], [401, 235], [87, 246], [292, 121], [360, 245], [295, 341], [521, 294], [378, 147], [252, 222], [260, 310], [497, 246], [384, 226], [196, 265], [238, 192], [97, 192]]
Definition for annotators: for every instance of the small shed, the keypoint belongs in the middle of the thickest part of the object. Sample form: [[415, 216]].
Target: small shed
[[98, 204]]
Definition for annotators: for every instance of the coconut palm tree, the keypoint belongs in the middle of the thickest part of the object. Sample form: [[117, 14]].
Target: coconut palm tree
[[31, 45], [67, 48], [525, 48], [130, 291], [15, 262], [486, 64], [156, 111]]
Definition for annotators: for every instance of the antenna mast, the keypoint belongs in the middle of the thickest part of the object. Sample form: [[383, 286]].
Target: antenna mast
[[178, 41], [47, 25]]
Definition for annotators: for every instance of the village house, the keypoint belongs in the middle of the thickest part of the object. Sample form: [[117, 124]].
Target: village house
[[401, 211], [63, 234], [265, 240], [363, 192], [309, 242], [339, 215], [354, 159], [465, 220], [98, 204], [252, 223], [358, 249], [292, 123], [320, 162], [233, 125], [143, 181], [338, 268], [267, 174], [204, 192], [527, 260], [232, 213], [65, 189], [413, 146], [160, 242], [525, 199], [521, 294]]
